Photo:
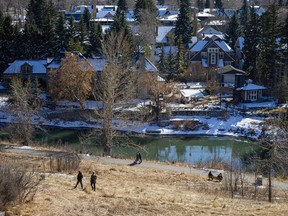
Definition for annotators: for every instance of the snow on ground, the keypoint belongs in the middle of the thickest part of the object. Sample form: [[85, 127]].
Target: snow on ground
[[236, 125]]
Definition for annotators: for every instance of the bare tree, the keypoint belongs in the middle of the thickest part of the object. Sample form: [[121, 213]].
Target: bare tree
[[275, 149], [115, 85], [157, 91], [24, 104], [73, 80]]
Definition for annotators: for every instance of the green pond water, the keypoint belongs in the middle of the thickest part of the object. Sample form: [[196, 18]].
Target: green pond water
[[174, 149]]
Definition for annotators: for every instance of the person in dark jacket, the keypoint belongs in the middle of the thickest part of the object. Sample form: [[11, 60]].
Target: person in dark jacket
[[79, 179], [93, 179], [138, 158]]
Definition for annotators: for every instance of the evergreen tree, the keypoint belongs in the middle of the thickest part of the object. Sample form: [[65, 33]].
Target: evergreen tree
[[142, 5], [162, 62], [95, 37], [207, 4], [170, 65], [184, 25], [82, 30], [161, 2], [268, 56], [36, 14], [122, 5], [61, 33], [86, 18], [49, 22], [75, 45], [244, 13], [250, 45], [233, 30], [218, 4], [200, 4], [180, 64], [71, 28]]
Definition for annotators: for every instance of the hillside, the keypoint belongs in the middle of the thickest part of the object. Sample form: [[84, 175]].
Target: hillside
[[132, 190]]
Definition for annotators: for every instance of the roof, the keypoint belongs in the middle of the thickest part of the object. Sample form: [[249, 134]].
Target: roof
[[250, 86], [149, 66], [105, 14], [240, 42], [224, 46], [162, 33], [198, 46], [98, 63], [38, 66], [229, 69], [195, 93]]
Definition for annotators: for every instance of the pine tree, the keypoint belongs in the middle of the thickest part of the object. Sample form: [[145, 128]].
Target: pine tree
[[61, 33], [122, 5], [170, 65], [267, 59], [233, 30], [75, 45], [142, 5], [244, 13], [71, 28], [218, 4], [200, 4], [35, 13], [207, 4], [86, 18], [250, 45], [95, 37], [82, 30], [184, 27], [180, 64], [162, 62]]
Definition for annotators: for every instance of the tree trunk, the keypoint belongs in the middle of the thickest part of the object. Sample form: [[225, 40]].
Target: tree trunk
[[270, 183], [107, 129]]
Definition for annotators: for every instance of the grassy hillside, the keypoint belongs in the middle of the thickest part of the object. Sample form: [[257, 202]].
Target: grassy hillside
[[126, 190]]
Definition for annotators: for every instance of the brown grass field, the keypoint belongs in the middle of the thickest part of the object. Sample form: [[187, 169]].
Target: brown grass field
[[126, 190]]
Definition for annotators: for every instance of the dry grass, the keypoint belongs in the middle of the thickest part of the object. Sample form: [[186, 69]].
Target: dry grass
[[126, 190]]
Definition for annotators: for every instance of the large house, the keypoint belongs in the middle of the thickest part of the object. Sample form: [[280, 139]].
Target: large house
[[27, 69], [212, 52]]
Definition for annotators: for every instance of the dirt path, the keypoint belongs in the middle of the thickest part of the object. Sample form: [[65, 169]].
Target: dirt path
[[152, 165]]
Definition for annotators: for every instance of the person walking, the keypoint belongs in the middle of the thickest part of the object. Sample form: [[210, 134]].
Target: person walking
[[93, 179], [79, 180]]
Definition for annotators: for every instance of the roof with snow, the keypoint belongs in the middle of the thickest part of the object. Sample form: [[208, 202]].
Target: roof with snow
[[251, 86], [224, 46], [192, 93], [149, 66], [240, 42], [229, 69], [162, 33], [98, 63], [38, 66], [198, 46]]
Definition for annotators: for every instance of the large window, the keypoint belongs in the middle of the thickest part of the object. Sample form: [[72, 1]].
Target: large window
[[213, 58], [26, 69], [252, 95]]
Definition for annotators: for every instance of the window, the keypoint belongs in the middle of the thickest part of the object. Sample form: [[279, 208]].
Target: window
[[227, 63], [221, 55], [252, 95], [203, 54], [26, 69], [213, 58], [213, 50]]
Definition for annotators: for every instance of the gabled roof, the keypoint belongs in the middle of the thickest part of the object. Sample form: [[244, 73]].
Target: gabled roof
[[224, 46], [105, 14], [149, 66], [38, 66], [251, 86], [162, 33], [229, 69], [198, 46]]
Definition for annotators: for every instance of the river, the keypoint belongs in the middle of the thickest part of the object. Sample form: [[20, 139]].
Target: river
[[190, 150]]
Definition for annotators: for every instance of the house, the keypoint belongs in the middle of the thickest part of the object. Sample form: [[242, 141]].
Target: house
[[78, 12], [208, 31], [27, 69], [230, 76], [211, 53], [249, 93]]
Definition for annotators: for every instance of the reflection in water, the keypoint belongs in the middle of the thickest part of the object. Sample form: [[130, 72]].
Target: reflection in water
[[195, 153]]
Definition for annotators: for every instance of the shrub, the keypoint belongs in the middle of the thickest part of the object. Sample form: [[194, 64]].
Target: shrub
[[17, 184]]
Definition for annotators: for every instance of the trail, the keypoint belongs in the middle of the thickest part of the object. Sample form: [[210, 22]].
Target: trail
[[188, 169]]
